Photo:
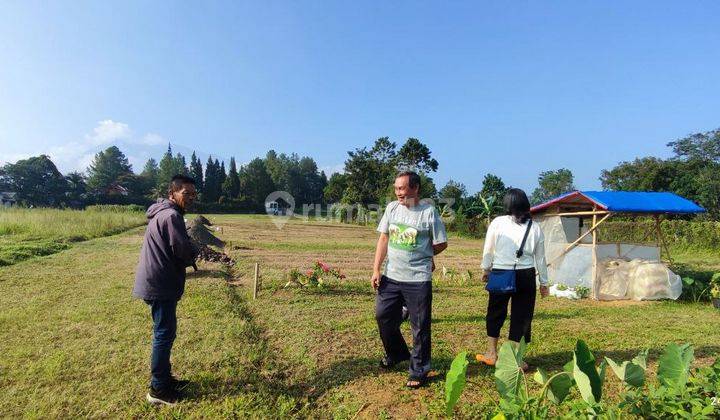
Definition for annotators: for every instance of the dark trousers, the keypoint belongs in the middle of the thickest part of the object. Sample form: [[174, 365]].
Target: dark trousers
[[164, 329], [417, 297], [521, 312]]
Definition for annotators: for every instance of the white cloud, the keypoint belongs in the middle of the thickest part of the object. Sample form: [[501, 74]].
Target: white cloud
[[331, 169], [109, 131], [152, 139], [77, 155]]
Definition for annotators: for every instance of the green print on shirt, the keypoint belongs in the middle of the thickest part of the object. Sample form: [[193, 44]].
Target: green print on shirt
[[403, 236]]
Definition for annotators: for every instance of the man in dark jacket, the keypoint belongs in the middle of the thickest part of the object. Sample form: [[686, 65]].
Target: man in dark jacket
[[160, 280]]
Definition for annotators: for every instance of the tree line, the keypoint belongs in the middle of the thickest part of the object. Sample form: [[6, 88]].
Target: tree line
[[693, 172], [110, 180]]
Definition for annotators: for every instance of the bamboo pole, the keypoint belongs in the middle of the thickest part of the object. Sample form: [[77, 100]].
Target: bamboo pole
[[255, 281], [582, 213], [594, 256], [577, 241], [661, 240]]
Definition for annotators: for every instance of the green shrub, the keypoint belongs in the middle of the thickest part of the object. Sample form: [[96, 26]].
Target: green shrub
[[690, 234], [116, 208]]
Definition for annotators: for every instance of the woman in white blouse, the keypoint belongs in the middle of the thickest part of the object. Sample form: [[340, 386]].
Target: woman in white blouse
[[502, 242]]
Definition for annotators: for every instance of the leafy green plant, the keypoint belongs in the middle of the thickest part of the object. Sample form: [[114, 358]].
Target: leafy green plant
[[631, 372], [674, 366], [715, 286], [509, 376], [588, 378], [582, 292], [557, 387], [695, 290], [455, 381], [313, 278], [680, 393]]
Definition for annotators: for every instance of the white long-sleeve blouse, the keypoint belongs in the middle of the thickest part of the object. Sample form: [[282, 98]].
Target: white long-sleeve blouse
[[502, 242]]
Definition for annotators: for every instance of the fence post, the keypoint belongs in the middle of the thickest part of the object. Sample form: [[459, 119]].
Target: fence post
[[255, 281]]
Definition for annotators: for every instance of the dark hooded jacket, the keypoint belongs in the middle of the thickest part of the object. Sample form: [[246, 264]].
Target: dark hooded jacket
[[166, 252]]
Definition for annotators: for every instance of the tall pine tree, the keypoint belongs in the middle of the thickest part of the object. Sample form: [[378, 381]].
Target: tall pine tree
[[231, 186], [108, 168], [211, 182], [196, 172], [166, 171]]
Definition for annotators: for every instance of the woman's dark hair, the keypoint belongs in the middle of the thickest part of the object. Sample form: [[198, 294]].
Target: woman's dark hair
[[517, 205]]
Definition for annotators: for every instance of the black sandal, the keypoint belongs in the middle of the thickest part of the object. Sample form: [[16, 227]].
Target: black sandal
[[420, 382]]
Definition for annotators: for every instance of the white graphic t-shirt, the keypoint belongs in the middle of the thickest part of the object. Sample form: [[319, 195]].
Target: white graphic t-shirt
[[412, 231]]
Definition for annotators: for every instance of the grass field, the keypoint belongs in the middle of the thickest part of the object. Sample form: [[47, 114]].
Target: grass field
[[74, 343], [26, 233]]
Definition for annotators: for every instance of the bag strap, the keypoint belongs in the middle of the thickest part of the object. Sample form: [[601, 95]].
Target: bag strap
[[520, 251]]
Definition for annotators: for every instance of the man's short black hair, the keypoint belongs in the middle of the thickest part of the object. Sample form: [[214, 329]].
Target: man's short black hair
[[414, 178], [177, 182]]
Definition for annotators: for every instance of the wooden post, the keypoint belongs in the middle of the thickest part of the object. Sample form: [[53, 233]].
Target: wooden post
[[255, 281], [578, 240], [594, 255], [661, 240]]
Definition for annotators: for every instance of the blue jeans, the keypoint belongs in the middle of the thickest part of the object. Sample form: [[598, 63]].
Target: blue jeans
[[164, 329], [417, 296]]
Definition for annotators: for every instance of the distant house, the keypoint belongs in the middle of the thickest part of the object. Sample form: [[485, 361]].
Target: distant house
[[7, 199], [117, 189]]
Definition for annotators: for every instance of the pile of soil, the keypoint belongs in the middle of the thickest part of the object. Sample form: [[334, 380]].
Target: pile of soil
[[209, 254], [204, 239], [202, 219], [199, 233]]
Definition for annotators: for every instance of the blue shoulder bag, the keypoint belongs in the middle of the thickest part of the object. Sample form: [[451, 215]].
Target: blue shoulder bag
[[503, 281]]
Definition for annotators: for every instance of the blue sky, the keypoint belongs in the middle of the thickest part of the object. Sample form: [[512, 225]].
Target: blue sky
[[511, 88]]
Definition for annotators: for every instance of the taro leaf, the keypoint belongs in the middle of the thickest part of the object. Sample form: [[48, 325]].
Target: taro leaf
[[522, 346], [455, 381], [641, 359], [559, 386], [509, 373], [630, 373], [586, 375], [674, 366], [601, 372]]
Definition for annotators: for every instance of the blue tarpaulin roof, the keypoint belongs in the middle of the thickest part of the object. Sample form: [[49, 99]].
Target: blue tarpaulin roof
[[628, 202]]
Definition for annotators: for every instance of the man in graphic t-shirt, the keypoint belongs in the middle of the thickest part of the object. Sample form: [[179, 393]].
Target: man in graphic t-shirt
[[411, 233]]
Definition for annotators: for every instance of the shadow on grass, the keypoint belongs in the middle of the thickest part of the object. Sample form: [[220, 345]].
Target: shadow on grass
[[206, 273], [461, 319]]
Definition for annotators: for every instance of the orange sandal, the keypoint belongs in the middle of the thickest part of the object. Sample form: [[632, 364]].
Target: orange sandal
[[484, 359]]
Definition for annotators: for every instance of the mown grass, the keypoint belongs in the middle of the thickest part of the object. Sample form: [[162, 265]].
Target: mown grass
[[26, 233], [74, 343]]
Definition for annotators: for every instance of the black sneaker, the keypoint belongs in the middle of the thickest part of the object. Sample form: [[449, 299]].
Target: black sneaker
[[167, 396]]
